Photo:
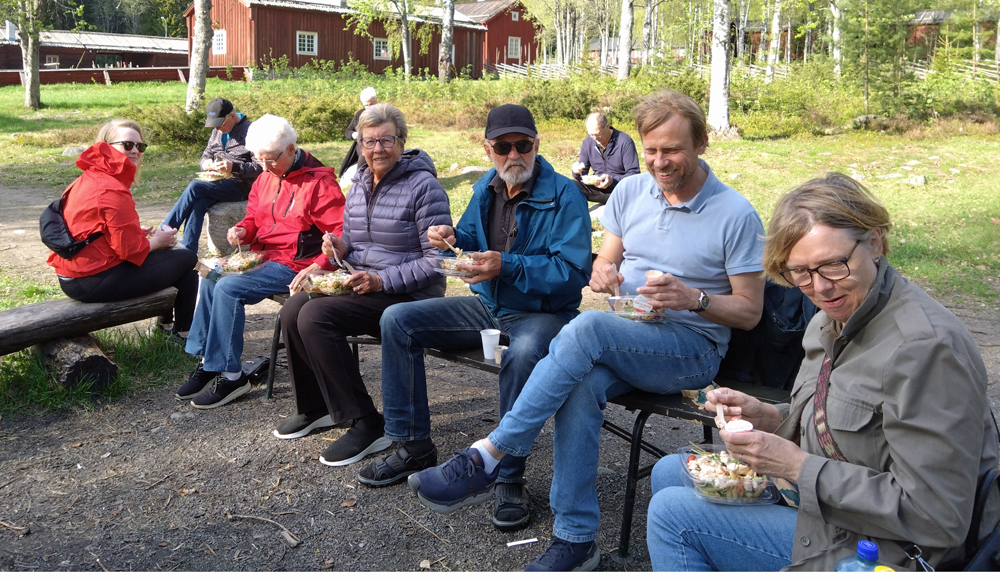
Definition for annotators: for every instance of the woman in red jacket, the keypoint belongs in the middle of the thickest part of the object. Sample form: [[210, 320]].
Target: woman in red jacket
[[127, 260]]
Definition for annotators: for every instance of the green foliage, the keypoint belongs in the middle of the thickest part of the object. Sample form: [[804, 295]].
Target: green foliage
[[169, 125]]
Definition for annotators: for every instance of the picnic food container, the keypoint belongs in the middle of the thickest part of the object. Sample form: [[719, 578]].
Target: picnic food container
[[448, 263], [590, 179], [713, 475], [635, 308], [328, 284], [234, 264], [210, 176]]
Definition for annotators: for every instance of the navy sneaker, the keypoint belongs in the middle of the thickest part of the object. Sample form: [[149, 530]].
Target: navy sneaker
[[459, 482], [565, 556]]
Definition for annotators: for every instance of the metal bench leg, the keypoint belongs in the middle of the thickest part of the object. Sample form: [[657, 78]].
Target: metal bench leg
[[357, 356], [707, 430], [630, 487], [273, 363]]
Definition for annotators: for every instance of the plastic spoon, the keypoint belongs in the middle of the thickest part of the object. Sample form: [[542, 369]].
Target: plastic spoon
[[720, 418], [341, 264]]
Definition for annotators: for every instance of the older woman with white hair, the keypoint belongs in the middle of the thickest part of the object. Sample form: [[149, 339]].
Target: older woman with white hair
[[292, 204]]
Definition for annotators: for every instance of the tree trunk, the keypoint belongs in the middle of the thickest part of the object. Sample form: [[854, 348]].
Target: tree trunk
[[774, 48], [625, 41], [788, 41], [71, 361], [447, 37], [718, 101], [807, 37], [201, 44], [741, 30], [647, 31], [838, 57], [996, 51], [404, 31], [977, 41], [29, 19]]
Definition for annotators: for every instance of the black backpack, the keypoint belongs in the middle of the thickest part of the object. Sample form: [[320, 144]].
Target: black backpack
[[55, 234]]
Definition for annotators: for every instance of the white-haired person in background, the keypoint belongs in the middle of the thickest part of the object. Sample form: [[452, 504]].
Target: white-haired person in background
[[293, 202], [353, 157]]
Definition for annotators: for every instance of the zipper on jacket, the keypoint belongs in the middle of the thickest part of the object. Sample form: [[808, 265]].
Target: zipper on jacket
[[290, 204]]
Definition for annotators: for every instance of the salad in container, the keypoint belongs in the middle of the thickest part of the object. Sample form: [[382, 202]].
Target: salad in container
[[636, 308], [328, 284], [234, 264], [713, 475], [448, 264]]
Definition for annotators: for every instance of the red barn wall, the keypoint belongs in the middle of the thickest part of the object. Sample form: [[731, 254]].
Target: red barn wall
[[500, 28]]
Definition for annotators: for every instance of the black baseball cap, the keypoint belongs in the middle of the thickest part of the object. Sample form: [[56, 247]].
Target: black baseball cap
[[217, 110], [510, 119]]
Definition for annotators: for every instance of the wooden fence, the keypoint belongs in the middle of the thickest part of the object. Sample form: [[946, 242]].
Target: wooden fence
[[116, 75], [986, 69]]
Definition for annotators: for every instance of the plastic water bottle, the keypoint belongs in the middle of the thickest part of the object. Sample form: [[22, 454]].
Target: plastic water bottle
[[864, 561]]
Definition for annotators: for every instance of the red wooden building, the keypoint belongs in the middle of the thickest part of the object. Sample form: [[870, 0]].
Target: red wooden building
[[253, 31], [511, 33], [61, 49]]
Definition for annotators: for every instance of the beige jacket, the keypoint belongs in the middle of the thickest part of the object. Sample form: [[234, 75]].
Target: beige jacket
[[907, 406]]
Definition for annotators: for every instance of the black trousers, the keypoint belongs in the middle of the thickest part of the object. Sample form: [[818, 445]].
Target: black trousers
[[162, 268], [593, 193], [322, 366]]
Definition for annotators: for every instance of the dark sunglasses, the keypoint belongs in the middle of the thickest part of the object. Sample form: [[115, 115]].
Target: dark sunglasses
[[504, 147], [128, 145]]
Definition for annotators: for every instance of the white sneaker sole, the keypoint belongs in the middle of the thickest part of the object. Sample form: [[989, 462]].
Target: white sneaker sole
[[324, 422], [376, 446], [236, 393]]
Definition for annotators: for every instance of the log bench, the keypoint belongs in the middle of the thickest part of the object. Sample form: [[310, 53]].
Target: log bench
[[64, 325]]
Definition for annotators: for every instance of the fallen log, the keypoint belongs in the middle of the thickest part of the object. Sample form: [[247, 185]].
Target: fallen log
[[77, 359]]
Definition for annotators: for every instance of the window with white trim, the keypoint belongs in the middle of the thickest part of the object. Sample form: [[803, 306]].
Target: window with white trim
[[514, 16], [219, 42], [513, 47], [381, 49], [52, 59], [306, 43]]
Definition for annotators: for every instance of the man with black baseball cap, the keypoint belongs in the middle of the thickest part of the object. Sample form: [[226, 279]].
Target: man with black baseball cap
[[528, 230], [229, 167]]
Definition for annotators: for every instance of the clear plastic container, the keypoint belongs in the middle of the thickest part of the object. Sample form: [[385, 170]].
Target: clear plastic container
[[734, 488], [864, 560], [635, 308], [328, 284], [448, 264]]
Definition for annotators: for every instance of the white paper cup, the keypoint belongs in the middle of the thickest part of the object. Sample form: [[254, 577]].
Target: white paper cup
[[491, 338], [498, 353]]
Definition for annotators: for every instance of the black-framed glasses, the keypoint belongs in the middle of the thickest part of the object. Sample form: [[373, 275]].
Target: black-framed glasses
[[128, 145], [267, 162], [504, 147], [831, 271], [386, 142]]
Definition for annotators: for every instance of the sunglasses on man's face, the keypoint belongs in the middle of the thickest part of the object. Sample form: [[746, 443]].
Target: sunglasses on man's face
[[128, 145], [504, 147]]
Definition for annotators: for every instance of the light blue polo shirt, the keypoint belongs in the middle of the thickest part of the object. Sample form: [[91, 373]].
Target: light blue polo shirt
[[702, 242]]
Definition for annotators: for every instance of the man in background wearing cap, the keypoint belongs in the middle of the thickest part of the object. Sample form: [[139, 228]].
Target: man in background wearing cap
[[226, 154], [528, 229]]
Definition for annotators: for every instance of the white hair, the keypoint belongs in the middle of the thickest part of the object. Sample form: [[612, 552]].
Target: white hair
[[368, 93], [269, 134]]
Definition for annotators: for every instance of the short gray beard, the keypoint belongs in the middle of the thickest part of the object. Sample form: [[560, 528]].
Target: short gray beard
[[511, 177]]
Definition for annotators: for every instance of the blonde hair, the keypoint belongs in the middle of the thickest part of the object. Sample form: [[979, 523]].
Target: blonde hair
[[657, 108], [834, 200], [109, 132]]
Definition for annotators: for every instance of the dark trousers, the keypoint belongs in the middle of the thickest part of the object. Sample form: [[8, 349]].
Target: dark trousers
[[162, 268], [322, 366], [592, 193]]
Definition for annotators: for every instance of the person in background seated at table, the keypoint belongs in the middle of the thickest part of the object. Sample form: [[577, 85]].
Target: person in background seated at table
[[609, 153], [394, 263], [888, 429], [353, 157], [691, 247], [127, 260], [227, 154], [291, 205], [529, 231]]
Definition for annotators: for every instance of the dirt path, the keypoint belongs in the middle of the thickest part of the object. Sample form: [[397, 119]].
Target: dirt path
[[146, 484]]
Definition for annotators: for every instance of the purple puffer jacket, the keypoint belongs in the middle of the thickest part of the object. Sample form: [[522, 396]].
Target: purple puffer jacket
[[386, 230]]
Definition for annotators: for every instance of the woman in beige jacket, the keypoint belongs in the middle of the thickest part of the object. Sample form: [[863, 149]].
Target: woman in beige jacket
[[889, 427]]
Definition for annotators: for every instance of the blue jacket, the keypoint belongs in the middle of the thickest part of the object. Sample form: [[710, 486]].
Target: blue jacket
[[619, 161], [386, 230], [549, 261]]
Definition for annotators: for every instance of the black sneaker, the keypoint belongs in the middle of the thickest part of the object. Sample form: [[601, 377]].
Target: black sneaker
[[510, 506], [220, 392], [196, 382], [358, 442], [301, 424], [396, 467], [565, 556]]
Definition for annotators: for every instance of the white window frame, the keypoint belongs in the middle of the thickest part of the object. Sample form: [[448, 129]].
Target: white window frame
[[218, 42], [513, 48], [301, 35], [52, 59], [388, 53], [514, 16]]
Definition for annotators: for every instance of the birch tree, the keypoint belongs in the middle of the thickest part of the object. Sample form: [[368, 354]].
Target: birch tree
[[29, 17], [201, 43], [396, 17], [774, 50], [835, 42], [625, 41], [447, 40], [718, 101]]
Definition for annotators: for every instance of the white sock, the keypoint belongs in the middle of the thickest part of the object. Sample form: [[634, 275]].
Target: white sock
[[489, 462], [232, 375]]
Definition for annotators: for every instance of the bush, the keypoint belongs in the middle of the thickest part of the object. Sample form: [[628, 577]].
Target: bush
[[169, 126]]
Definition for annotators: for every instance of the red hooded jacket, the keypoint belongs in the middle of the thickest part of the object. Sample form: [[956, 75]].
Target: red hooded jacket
[[100, 201], [287, 216]]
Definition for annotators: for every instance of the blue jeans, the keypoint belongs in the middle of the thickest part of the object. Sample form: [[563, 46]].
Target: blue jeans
[[197, 198], [686, 533], [595, 358], [454, 323], [217, 330]]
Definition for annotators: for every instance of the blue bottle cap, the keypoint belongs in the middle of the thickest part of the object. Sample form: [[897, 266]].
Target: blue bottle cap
[[868, 550]]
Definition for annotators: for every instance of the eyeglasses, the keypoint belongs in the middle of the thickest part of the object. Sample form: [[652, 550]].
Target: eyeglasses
[[504, 147], [386, 142], [128, 145], [267, 162], [831, 271]]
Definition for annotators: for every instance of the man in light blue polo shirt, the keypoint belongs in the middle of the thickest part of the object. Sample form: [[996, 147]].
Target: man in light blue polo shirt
[[705, 241]]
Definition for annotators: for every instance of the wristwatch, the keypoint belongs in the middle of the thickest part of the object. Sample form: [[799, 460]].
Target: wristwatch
[[703, 303]]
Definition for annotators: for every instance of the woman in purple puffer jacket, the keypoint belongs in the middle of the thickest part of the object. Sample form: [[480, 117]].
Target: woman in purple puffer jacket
[[392, 202]]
